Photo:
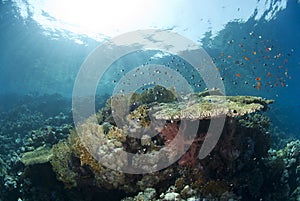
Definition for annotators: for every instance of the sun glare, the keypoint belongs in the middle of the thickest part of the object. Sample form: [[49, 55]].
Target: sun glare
[[102, 19], [98, 16]]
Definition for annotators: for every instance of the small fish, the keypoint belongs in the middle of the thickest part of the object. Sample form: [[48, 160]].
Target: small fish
[[268, 49], [286, 74], [229, 57], [278, 55], [269, 74], [257, 78], [258, 85], [238, 75], [254, 52], [247, 58]]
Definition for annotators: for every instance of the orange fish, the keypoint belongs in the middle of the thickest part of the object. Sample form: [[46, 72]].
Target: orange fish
[[254, 52], [247, 58], [258, 85], [257, 78], [238, 75], [269, 74], [229, 57]]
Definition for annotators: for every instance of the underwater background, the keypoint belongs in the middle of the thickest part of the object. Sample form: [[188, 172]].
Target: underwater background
[[254, 45]]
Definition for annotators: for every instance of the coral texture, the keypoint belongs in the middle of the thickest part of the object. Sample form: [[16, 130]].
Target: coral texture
[[242, 145]]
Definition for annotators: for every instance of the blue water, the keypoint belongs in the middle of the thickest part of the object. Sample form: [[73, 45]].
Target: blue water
[[32, 62]]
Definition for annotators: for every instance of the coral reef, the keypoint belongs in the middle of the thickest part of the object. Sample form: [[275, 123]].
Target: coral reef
[[186, 194], [238, 145], [62, 156], [147, 194], [208, 107], [157, 94], [240, 167], [30, 122], [39, 155], [132, 101], [75, 166], [283, 169], [139, 117], [3, 167]]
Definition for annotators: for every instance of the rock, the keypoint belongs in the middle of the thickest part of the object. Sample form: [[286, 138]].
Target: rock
[[187, 191], [148, 195], [171, 197], [192, 199]]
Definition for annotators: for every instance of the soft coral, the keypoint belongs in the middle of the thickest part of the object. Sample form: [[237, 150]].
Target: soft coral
[[175, 137]]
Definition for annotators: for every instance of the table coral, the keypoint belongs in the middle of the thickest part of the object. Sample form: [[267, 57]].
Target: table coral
[[208, 107], [40, 155]]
